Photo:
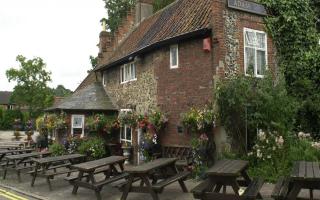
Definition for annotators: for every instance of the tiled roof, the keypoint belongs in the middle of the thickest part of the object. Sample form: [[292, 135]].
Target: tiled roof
[[179, 18], [93, 97], [5, 97]]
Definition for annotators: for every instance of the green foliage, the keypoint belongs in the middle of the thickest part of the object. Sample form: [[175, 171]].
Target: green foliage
[[159, 4], [57, 149], [273, 157], [61, 91], [93, 147], [9, 117], [1, 117], [31, 89], [117, 10], [101, 123], [247, 103], [294, 27]]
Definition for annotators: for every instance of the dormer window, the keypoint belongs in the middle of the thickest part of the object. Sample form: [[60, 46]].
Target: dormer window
[[174, 56], [128, 73]]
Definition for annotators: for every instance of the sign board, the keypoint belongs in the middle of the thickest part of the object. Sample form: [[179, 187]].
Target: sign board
[[247, 6]]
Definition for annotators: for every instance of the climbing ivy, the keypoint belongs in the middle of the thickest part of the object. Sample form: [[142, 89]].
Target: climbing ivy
[[294, 27]]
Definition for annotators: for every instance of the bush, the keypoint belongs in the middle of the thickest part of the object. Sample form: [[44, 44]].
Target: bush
[[8, 118], [257, 103], [93, 147], [57, 149]]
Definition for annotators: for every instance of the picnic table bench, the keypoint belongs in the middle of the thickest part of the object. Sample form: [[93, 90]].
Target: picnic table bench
[[304, 175], [5, 152], [47, 167], [226, 173], [20, 162], [88, 170], [144, 171]]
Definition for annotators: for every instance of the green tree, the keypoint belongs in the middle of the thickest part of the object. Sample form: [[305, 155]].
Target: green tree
[[117, 9], [31, 89], [293, 27], [159, 4], [61, 91]]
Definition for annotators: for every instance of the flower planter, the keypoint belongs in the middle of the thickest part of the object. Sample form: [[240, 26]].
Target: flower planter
[[127, 154], [29, 134]]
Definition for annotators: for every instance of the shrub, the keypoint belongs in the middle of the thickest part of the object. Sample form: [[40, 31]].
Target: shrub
[[93, 147], [57, 149], [9, 117], [247, 103]]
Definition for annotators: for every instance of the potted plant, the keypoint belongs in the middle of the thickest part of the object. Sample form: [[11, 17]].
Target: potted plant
[[29, 129], [17, 128], [126, 149]]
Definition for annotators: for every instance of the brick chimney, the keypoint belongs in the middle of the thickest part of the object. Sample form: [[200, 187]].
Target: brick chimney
[[105, 45], [144, 9]]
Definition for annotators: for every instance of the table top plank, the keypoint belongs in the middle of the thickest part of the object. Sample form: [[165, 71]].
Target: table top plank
[[316, 170], [309, 170], [92, 165], [149, 166], [25, 155], [302, 169], [57, 158], [6, 151], [228, 168]]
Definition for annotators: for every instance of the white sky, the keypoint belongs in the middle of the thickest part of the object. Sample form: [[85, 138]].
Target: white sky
[[62, 32]]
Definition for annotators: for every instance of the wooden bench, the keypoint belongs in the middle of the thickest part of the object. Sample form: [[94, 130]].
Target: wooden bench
[[183, 153], [97, 171], [281, 189], [181, 176], [252, 191], [200, 189]]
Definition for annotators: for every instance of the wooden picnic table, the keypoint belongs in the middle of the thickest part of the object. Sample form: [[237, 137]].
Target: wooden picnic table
[[47, 167], [19, 162], [144, 171], [227, 173], [304, 175], [4, 152], [89, 169]]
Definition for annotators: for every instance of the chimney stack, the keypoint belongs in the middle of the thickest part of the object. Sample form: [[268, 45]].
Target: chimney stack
[[144, 9]]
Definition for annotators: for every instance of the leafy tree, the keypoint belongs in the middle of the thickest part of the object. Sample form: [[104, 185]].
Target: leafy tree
[[159, 4], [117, 9], [292, 25], [61, 91], [31, 89]]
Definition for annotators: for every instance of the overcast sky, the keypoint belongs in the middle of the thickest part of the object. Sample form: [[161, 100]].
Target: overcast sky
[[62, 32]]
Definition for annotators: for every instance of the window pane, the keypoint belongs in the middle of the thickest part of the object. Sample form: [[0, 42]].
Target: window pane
[[261, 62], [250, 60], [133, 71], [261, 40], [128, 133], [127, 76], [77, 122], [121, 74], [249, 38], [122, 135], [173, 54], [104, 78]]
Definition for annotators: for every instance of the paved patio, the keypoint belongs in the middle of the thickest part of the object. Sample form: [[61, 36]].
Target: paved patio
[[62, 189]]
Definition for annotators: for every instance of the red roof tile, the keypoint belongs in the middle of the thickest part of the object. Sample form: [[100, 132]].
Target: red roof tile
[[179, 18]]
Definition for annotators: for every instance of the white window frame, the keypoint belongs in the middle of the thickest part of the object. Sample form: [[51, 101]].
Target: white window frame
[[104, 78], [82, 124], [125, 140], [176, 46], [128, 72], [255, 67]]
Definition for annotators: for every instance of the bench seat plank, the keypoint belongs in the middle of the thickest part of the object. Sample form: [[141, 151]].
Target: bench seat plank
[[253, 189], [180, 176]]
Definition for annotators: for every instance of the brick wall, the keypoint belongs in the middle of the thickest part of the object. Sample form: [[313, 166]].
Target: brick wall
[[180, 89]]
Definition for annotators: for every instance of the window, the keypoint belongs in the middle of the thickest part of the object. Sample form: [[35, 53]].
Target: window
[[77, 125], [255, 52], [104, 78], [128, 73], [174, 56], [126, 130]]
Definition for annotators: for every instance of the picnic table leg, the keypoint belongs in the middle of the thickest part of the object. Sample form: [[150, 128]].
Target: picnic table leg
[[34, 175], [127, 188], [235, 186], [18, 171], [45, 168], [149, 187], [181, 182], [75, 187], [248, 181], [5, 170], [295, 190]]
